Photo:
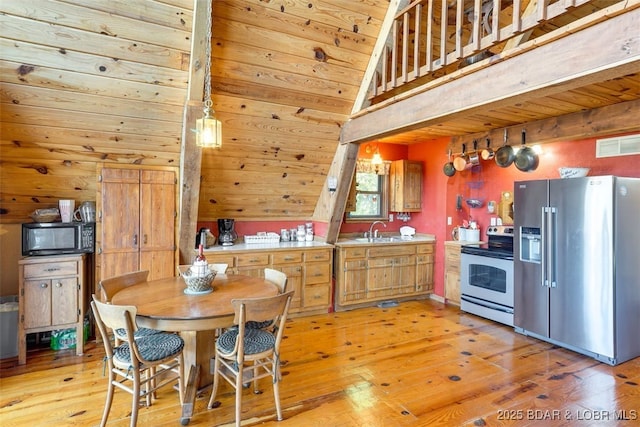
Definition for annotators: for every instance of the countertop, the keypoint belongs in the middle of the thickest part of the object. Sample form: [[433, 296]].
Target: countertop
[[395, 240], [243, 247]]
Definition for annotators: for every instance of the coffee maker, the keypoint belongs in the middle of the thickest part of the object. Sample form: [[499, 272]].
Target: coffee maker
[[226, 233]]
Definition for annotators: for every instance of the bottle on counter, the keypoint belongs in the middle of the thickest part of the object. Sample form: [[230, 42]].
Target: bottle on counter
[[200, 265]]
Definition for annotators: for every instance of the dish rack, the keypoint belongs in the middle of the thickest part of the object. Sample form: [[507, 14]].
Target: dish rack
[[262, 238]]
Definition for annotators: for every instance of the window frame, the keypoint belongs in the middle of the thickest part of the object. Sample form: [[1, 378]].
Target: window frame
[[384, 202]]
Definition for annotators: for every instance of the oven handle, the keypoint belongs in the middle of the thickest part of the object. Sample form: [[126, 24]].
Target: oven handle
[[487, 305]]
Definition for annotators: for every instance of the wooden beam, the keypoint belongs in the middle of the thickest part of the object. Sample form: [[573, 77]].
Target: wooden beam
[[613, 49], [191, 155], [609, 120]]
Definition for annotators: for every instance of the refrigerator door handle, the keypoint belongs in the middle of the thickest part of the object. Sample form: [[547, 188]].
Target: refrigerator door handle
[[553, 246], [543, 255]]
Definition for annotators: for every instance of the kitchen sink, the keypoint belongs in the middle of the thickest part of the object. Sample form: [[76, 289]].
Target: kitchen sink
[[377, 239]]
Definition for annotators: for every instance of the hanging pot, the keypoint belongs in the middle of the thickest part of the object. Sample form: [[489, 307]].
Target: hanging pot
[[526, 160], [505, 155], [460, 163], [448, 168], [488, 153], [474, 157]]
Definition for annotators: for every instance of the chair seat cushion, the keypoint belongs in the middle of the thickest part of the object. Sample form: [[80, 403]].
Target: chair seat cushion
[[258, 325], [255, 340], [141, 332], [152, 347]]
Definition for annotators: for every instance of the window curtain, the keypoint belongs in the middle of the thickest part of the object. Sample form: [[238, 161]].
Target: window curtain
[[365, 166]]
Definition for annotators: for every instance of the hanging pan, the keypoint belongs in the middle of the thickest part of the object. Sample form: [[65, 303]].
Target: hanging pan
[[474, 156], [526, 160], [487, 153], [505, 155], [460, 163], [448, 168]]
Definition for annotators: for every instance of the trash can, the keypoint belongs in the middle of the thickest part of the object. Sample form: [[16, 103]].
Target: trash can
[[8, 326]]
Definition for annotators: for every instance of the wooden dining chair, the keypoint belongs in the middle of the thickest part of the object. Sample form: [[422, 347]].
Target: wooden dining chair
[[242, 352], [151, 361], [279, 279], [112, 285], [219, 268]]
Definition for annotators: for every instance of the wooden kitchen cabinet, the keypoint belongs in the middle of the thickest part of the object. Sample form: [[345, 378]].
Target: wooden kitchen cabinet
[[136, 222], [367, 274], [405, 186], [452, 272], [51, 296], [308, 271]]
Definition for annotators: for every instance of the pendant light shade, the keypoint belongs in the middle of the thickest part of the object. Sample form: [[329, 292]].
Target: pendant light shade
[[208, 128]]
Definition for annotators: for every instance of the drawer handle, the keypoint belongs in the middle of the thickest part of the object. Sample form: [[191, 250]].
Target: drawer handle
[[52, 269], [44, 285]]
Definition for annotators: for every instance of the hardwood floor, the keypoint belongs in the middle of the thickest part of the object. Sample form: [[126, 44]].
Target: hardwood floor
[[418, 364]]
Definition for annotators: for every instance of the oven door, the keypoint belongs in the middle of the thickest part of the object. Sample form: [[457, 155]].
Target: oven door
[[486, 278]]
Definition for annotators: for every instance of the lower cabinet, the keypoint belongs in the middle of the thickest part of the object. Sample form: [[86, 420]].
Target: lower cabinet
[[452, 272], [308, 272], [371, 273], [51, 296]]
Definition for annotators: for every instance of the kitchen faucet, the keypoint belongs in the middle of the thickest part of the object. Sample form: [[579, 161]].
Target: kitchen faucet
[[373, 234]]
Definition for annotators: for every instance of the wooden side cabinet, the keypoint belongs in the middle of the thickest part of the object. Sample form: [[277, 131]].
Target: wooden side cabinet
[[51, 296], [405, 186], [452, 272]]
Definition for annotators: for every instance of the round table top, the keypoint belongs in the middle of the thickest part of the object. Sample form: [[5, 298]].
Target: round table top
[[162, 304]]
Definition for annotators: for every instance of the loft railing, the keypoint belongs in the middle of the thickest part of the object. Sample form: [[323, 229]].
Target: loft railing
[[431, 38]]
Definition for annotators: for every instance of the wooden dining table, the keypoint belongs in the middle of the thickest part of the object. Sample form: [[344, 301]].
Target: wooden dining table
[[164, 304]]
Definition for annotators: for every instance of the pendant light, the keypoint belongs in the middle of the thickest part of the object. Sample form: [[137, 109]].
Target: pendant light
[[208, 128]]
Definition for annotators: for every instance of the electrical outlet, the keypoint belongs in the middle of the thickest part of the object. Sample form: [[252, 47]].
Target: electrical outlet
[[390, 217], [449, 221]]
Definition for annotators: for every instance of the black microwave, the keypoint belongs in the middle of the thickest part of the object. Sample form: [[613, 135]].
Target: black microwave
[[56, 238]]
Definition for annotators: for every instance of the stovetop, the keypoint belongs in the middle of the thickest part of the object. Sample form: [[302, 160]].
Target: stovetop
[[499, 245]]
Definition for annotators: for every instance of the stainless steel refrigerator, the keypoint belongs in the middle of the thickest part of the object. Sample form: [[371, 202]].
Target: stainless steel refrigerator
[[577, 264]]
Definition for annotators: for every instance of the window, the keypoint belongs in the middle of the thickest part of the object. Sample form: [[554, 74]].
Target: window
[[370, 197]]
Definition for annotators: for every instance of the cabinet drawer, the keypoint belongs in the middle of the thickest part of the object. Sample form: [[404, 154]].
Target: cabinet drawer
[[425, 249], [391, 251], [313, 256], [359, 252], [220, 259], [51, 269], [248, 260], [424, 259], [317, 295], [317, 273], [388, 262], [287, 257]]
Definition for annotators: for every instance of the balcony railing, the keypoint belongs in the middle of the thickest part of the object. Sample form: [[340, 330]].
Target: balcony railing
[[432, 38]]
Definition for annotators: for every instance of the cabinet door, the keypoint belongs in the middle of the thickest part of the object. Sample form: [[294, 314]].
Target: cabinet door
[[120, 210], [64, 300], [452, 274], [354, 283], [424, 273], [157, 223], [37, 307], [406, 186], [294, 283]]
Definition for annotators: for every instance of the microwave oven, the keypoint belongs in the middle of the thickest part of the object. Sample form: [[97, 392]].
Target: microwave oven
[[57, 238]]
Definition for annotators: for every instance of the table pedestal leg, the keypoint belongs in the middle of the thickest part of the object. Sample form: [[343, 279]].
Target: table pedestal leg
[[198, 349]]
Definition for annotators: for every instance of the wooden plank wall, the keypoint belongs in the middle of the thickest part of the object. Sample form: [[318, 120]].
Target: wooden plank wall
[[285, 76], [84, 83]]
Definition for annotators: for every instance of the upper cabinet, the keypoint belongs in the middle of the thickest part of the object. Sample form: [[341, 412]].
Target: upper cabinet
[[405, 186], [136, 222]]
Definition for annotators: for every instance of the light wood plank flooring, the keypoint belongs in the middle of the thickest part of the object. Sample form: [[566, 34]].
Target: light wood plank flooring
[[418, 364]]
